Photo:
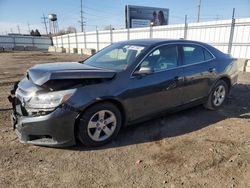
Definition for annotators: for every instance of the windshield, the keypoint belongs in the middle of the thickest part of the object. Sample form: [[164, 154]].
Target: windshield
[[115, 57]]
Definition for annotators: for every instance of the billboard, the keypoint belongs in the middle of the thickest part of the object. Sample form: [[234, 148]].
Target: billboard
[[140, 16]]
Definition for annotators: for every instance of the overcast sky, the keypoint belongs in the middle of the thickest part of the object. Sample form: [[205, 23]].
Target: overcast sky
[[14, 13]]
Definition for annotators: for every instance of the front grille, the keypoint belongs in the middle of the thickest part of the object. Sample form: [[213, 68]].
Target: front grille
[[41, 113]]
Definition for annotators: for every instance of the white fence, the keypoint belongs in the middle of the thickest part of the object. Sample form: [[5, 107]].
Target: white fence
[[11, 41], [229, 36]]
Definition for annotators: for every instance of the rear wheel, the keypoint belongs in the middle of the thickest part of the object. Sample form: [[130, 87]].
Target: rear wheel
[[217, 96], [99, 124]]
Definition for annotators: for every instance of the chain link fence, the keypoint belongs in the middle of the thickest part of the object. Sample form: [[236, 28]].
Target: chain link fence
[[19, 42]]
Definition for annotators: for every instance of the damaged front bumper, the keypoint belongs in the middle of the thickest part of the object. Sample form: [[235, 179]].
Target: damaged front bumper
[[53, 129]]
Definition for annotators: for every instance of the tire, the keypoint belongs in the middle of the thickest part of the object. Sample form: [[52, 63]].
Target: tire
[[99, 124], [216, 94]]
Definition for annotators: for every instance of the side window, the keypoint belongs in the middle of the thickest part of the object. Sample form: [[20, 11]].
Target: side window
[[207, 55], [155, 53], [195, 54], [162, 58]]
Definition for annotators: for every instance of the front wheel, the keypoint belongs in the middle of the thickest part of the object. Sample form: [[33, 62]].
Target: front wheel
[[99, 124], [217, 96]]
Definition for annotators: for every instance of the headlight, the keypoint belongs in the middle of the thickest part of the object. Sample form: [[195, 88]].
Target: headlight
[[49, 100]]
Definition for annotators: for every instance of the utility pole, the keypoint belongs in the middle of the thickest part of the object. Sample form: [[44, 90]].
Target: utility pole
[[45, 23], [185, 28], [199, 10], [230, 44], [81, 22], [97, 38], [18, 28], [28, 27], [111, 34]]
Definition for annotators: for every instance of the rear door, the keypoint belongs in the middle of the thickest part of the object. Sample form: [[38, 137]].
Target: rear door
[[198, 70]]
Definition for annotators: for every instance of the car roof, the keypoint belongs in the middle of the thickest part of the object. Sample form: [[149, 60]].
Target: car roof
[[158, 41]]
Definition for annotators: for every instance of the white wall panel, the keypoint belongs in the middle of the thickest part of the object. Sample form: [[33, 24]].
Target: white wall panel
[[216, 33]]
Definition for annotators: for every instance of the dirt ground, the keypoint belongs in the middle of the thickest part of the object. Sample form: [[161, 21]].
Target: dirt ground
[[192, 148]]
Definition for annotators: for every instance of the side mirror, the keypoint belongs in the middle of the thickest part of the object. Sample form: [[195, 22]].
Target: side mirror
[[144, 71]]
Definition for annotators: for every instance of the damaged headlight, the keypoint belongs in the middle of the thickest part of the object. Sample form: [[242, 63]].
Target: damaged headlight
[[49, 100]]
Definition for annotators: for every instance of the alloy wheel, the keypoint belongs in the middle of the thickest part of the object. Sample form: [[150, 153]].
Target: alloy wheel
[[102, 125], [219, 95]]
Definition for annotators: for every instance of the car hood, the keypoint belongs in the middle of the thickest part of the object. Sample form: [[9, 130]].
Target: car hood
[[41, 74]]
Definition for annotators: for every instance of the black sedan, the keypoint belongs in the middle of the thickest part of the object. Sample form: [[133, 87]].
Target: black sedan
[[123, 84]]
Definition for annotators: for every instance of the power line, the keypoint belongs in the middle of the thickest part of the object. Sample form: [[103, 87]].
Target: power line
[[99, 11], [45, 23]]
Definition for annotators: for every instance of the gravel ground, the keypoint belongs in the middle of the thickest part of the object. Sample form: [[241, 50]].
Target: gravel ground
[[191, 148]]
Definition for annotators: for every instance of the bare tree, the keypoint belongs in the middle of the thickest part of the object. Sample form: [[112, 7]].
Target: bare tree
[[108, 27], [32, 33], [61, 32], [71, 29], [37, 33]]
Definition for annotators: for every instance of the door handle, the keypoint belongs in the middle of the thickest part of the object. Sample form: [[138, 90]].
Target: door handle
[[211, 70], [177, 78], [173, 83]]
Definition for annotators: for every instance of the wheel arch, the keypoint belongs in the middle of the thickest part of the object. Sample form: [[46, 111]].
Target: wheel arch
[[225, 78], [227, 81], [115, 102]]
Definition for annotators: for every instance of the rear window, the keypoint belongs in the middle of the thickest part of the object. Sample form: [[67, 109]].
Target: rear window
[[195, 54]]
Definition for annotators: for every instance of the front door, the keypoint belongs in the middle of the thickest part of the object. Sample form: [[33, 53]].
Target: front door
[[159, 91]]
